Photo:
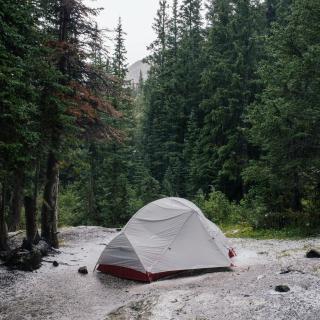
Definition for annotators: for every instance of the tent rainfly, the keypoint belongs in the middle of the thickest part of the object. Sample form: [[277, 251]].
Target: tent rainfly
[[164, 237]]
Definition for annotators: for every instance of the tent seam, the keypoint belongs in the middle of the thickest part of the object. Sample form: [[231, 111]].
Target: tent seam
[[177, 200], [145, 270], [173, 198], [206, 230], [184, 212]]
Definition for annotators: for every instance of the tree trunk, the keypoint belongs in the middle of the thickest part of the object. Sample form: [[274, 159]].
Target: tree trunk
[[50, 196], [49, 212], [296, 204], [93, 212], [17, 200], [31, 222], [3, 226]]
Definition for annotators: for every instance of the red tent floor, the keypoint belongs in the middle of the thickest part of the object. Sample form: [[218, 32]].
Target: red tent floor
[[127, 273], [131, 274]]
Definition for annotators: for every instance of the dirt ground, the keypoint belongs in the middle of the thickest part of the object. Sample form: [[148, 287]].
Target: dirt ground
[[246, 292]]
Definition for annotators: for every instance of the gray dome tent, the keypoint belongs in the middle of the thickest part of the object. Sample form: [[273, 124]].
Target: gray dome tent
[[165, 236]]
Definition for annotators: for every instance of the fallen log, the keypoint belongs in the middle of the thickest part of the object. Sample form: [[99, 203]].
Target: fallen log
[[15, 234]]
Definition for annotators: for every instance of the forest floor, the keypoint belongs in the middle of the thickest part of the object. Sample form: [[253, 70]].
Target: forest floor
[[245, 292]]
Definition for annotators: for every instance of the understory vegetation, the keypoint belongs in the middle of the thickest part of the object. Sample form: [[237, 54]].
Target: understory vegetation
[[228, 117]]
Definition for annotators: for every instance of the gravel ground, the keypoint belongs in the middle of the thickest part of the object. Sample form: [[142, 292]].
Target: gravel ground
[[246, 292]]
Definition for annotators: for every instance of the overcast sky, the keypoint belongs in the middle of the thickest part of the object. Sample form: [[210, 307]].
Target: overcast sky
[[137, 17]]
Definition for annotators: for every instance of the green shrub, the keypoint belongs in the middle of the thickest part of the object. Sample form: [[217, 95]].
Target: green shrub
[[219, 209], [257, 215], [71, 211], [253, 210]]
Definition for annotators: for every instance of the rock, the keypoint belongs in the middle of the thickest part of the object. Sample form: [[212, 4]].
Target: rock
[[55, 263], [24, 260], [282, 288], [313, 253], [291, 270], [44, 247], [3, 255], [286, 271], [83, 270]]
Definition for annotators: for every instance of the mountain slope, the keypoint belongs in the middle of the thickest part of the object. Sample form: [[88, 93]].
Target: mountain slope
[[134, 71]]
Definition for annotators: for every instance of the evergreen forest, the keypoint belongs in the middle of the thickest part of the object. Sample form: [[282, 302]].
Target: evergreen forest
[[228, 117]]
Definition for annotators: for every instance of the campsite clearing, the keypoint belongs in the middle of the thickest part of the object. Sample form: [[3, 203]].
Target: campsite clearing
[[247, 292]]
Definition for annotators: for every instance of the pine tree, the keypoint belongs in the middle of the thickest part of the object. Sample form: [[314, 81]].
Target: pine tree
[[181, 87], [284, 123], [19, 130], [190, 69], [173, 148], [140, 83], [172, 93], [230, 84], [120, 67], [154, 134], [277, 11], [71, 101], [159, 46], [110, 163]]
